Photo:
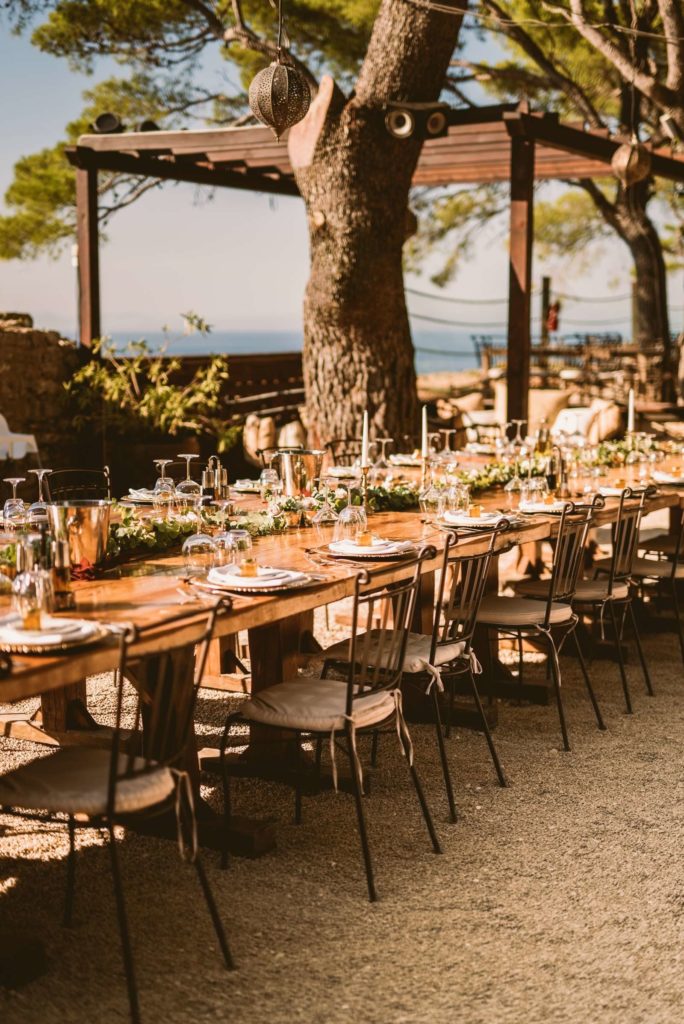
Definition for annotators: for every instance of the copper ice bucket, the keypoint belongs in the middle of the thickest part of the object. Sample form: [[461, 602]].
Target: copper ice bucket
[[300, 470], [85, 525]]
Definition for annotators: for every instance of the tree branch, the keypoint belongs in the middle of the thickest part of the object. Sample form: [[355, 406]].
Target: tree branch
[[248, 38], [673, 25]]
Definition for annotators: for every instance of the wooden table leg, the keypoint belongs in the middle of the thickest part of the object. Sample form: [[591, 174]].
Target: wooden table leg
[[63, 719]]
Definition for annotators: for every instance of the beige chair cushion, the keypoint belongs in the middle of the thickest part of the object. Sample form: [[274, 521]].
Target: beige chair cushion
[[316, 705], [75, 781], [587, 590], [417, 650], [520, 611], [656, 570]]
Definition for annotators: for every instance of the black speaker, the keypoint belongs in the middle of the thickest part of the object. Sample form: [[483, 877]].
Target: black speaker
[[107, 124], [427, 120]]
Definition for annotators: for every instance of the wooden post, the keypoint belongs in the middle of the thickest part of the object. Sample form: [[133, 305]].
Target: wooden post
[[635, 314], [520, 274], [545, 303], [88, 255]]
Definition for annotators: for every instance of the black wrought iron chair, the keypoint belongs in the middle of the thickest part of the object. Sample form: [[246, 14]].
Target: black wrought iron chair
[[368, 698], [78, 484], [664, 573], [140, 777], [551, 620], [433, 663], [344, 451]]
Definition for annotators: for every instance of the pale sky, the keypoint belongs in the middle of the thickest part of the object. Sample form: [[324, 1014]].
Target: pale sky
[[237, 258]]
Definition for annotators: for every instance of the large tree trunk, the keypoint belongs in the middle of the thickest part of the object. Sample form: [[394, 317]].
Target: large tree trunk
[[651, 319], [355, 179]]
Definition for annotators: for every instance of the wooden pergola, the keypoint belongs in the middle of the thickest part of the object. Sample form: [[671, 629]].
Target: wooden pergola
[[486, 144]]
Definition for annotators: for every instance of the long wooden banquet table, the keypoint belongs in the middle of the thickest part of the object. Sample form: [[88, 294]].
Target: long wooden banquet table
[[151, 592]]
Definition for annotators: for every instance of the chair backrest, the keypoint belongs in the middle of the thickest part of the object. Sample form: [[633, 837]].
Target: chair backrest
[[78, 484], [376, 653], [459, 593], [568, 555], [166, 684], [626, 534], [344, 450]]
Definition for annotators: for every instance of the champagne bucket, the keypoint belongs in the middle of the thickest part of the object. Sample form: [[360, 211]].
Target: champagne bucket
[[85, 525], [300, 470]]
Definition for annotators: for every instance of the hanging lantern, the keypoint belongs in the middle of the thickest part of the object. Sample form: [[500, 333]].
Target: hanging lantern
[[279, 96], [631, 162]]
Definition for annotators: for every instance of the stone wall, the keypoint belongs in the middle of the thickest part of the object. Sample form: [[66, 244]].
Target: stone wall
[[33, 368]]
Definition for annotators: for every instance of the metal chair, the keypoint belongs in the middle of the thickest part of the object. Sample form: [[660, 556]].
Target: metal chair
[[78, 484], [139, 777], [368, 698], [614, 591], [344, 451], [434, 662], [526, 616], [664, 573]]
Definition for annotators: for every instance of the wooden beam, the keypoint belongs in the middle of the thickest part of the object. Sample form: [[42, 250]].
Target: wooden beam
[[520, 276], [88, 255]]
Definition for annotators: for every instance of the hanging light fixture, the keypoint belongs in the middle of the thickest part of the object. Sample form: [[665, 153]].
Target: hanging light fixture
[[279, 96], [631, 162]]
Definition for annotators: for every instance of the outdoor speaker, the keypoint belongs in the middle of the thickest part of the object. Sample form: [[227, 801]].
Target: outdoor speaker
[[427, 120], [107, 124]]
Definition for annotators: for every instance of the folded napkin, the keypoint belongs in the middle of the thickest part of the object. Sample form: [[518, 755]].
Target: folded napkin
[[246, 485], [378, 547], [667, 478], [230, 576], [463, 519], [478, 448], [611, 492], [541, 506], [405, 460], [55, 631], [342, 472], [141, 493]]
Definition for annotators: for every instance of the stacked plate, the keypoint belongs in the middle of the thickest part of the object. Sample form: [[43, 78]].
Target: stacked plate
[[267, 580], [140, 495], [247, 486], [667, 478], [486, 520], [552, 508], [378, 548], [405, 460], [56, 634]]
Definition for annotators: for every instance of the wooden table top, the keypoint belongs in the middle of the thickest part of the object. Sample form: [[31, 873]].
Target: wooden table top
[[149, 593]]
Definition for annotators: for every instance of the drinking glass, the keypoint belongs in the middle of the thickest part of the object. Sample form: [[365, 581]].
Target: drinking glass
[[518, 441], [534, 491], [188, 491], [223, 539], [447, 452], [431, 498], [37, 511], [381, 469], [352, 521], [457, 498], [199, 550], [269, 483], [243, 550], [8, 561], [14, 509], [164, 491], [327, 513]]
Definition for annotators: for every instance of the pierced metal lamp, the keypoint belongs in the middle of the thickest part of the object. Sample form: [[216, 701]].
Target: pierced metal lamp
[[631, 162], [279, 96]]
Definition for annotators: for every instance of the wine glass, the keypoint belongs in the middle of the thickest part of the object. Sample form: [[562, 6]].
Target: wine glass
[[447, 452], [457, 498], [199, 550], [268, 483], [352, 522], [243, 552], [431, 498], [8, 562], [37, 511], [223, 539], [188, 491], [518, 441], [381, 469], [327, 514], [164, 488], [14, 509]]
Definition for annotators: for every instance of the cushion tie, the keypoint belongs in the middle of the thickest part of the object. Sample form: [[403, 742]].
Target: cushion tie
[[184, 789], [402, 733]]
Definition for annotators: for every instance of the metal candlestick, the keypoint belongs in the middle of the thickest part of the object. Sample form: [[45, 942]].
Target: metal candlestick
[[423, 472]]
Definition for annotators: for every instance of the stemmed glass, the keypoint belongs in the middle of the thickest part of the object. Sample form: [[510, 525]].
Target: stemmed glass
[[223, 539], [164, 488], [37, 511], [381, 469], [431, 498], [327, 514], [447, 453], [188, 491], [14, 509], [199, 550]]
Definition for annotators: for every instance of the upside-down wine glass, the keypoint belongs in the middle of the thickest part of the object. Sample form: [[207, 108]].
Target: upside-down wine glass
[[14, 509], [447, 453], [188, 491], [381, 469], [37, 511], [199, 550]]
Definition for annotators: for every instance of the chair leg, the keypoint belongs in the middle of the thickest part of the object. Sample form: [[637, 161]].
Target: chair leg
[[363, 833], [450, 711], [227, 806], [71, 875], [298, 784], [587, 682], [123, 929], [555, 675], [680, 629], [214, 914], [441, 746], [640, 652], [374, 748], [621, 660], [421, 798], [487, 731]]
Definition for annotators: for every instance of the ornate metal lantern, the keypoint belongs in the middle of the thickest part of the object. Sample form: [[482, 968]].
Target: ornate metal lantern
[[279, 96], [631, 162]]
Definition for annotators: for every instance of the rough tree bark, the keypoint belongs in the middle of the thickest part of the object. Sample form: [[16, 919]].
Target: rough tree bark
[[355, 179], [629, 217]]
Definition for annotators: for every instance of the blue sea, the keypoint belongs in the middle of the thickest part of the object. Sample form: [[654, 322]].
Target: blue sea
[[435, 350]]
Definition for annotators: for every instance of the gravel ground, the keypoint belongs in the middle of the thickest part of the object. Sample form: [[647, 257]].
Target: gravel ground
[[559, 899]]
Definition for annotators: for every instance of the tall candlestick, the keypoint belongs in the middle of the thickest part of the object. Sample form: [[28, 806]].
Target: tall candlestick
[[364, 442], [424, 435], [630, 412]]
